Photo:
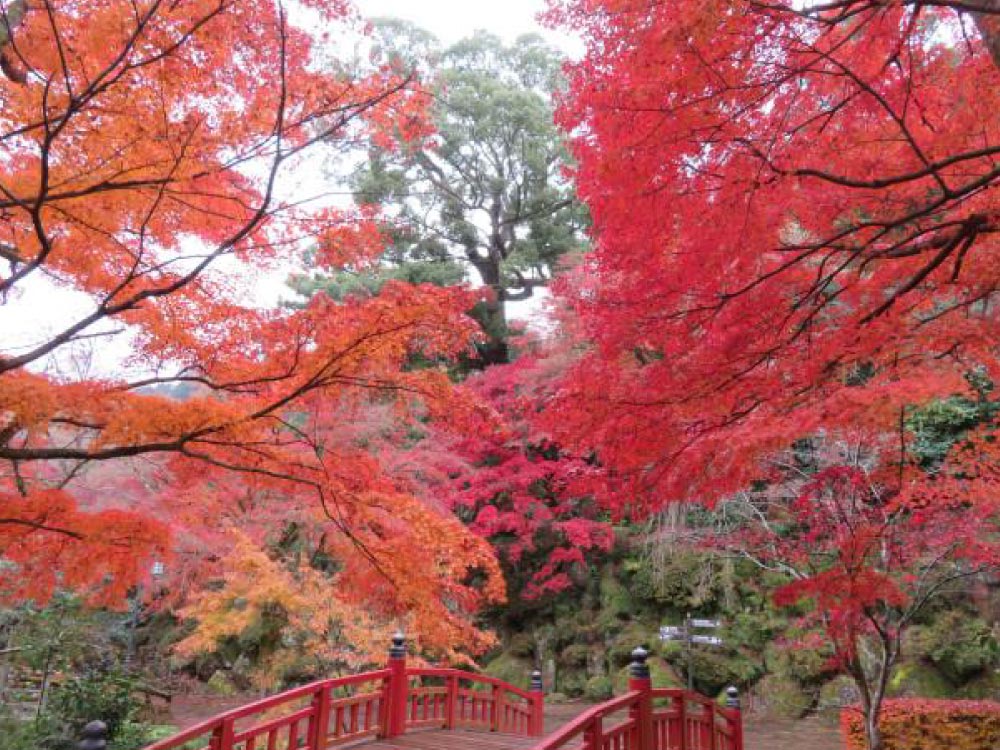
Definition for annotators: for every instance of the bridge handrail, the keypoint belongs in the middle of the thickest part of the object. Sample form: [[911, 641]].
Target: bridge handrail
[[389, 708], [312, 689], [589, 721], [446, 672], [647, 727]]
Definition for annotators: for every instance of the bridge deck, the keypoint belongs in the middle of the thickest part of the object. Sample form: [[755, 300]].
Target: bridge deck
[[455, 740]]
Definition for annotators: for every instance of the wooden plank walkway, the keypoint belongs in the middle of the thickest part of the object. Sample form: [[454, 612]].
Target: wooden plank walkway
[[455, 740]]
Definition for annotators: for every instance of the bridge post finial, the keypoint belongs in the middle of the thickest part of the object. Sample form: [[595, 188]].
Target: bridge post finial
[[638, 669], [536, 681], [94, 736], [732, 697], [639, 681], [398, 648], [537, 690]]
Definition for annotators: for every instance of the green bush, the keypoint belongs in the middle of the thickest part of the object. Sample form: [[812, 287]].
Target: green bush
[[713, 669], [575, 655], [916, 680], [984, 687], [572, 682], [632, 635], [616, 601], [108, 696], [598, 688], [28, 735], [834, 695], [784, 698], [806, 665], [522, 645], [959, 645], [661, 673], [510, 668]]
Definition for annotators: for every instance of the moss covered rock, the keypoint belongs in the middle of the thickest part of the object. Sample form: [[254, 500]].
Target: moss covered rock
[[661, 673], [985, 687], [513, 669], [917, 680], [633, 634], [220, 684]]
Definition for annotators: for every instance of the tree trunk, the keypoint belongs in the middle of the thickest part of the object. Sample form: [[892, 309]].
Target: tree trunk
[[872, 733], [494, 351]]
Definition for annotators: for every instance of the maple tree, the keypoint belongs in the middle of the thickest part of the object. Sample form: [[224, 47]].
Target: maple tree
[[794, 223], [794, 226], [145, 147], [542, 508], [862, 555]]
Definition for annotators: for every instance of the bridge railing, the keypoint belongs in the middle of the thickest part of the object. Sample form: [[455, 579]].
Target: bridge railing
[[453, 699], [694, 722], [637, 720], [319, 715], [383, 703]]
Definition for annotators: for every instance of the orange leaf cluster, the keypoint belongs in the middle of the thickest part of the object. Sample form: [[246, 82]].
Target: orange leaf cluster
[[146, 146], [917, 724]]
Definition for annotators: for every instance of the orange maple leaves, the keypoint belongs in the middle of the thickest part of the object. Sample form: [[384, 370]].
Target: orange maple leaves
[[146, 143]]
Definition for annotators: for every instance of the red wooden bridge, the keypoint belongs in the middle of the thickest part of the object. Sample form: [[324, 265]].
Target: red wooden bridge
[[437, 709]]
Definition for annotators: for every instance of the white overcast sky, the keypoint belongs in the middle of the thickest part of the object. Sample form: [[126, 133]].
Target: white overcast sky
[[50, 309], [450, 20]]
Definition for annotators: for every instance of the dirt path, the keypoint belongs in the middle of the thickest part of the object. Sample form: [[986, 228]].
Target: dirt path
[[806, 734]]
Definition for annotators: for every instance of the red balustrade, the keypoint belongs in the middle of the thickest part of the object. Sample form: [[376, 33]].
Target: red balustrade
[[312, 717], [639, 720], [391, 701], [693, 722], [453, 699], [384, 703]]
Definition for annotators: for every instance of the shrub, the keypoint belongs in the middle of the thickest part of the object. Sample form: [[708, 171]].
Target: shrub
[[598, 688], [108, 696], [783, 697], [916, 680], [512, 669], [575, 655], [959, 645], [910, 724]]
